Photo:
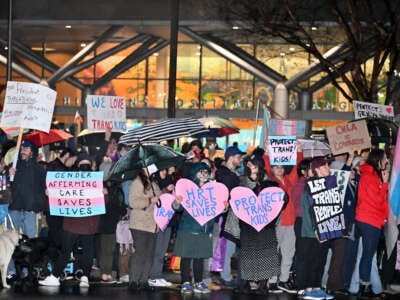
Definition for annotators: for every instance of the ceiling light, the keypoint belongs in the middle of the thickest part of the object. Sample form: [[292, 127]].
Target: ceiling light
[[235, 27], [282, 54], [68, 26], [314, 28], [5, 47], [291, 49], [40, 48], [156, 54], [198, 53], [83, 44]]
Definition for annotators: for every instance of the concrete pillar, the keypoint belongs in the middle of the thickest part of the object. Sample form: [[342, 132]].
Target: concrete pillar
[[305, 105], [281, 100]]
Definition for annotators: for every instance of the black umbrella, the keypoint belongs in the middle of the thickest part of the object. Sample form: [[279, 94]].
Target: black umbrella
[[145, 155], [164, 130]]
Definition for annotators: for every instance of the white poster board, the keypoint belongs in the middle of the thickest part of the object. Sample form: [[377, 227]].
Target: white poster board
[[366, 109], [28, 105], [106, 112]]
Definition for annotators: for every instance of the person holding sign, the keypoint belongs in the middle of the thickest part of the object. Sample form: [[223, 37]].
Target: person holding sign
[[193, 243], [312, 257], [28, 193], [371, 212], [143, 195], [259, 257], [285, 226]]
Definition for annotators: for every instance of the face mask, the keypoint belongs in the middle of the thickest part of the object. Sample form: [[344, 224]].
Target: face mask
[[212, 146], [85, 167]]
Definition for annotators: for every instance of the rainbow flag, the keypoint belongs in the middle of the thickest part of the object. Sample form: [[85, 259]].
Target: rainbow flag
[[391, 231]]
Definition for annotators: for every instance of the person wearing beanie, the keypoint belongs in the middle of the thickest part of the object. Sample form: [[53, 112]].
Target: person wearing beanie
[[28, 193], [193, 243]]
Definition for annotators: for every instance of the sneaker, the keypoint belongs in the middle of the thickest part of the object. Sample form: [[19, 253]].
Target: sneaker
[[84, 281], [287, 287], [201, 288], [186, 288], [228, 285], [273, 288], [160, 282], [11, 278], [214, 287], [324, 294], [124, 278], [50, 280], [312, 295]]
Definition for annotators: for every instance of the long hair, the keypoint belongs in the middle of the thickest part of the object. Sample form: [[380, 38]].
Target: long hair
[[303, 165], [258, 162], [374, 158], [146, 180]]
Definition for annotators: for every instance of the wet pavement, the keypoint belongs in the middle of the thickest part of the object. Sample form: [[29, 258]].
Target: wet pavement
[[72, 291]]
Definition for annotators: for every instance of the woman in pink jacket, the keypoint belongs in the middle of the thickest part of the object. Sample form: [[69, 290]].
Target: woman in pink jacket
[[371, 212]]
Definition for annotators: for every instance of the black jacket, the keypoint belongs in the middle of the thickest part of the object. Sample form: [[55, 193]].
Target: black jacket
[[28, 187]]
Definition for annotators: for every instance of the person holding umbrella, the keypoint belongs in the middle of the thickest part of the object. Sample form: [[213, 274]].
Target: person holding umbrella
[[143, 196]]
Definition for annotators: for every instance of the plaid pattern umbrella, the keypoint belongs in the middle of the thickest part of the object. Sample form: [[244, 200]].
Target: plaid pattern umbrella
[[164, 130]]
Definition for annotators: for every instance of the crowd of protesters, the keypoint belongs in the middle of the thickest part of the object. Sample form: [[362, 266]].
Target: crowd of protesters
[[286, 256]]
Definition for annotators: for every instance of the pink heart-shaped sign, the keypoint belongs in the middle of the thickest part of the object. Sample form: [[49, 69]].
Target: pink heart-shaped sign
[[163, 214], [204, 203], [257, 211]]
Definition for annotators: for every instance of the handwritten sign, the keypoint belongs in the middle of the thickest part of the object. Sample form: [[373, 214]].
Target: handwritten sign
[[106, 112], [259, 211], [367, 109], [204, 203], [75, 194], [164, 213], [282, 150], [287, 127], [327, 207], [348, 137], [342, 179], [28, 105]]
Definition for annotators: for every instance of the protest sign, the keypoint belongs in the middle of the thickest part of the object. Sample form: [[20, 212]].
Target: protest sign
[[282, 150], [28, 105], [106, 112], [349, 137], [287, 127], [202, 203], [342, 179], [374, 110], [327, 208], [75, 194], [259, 211], [164, 213]]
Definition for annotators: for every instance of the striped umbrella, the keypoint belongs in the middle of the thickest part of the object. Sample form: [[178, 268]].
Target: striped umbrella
[[164, 130]]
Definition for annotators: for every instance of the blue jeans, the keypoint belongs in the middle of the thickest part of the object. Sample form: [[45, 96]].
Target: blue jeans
[[376, 283], [25, 222], [370, 238], [226, 273]]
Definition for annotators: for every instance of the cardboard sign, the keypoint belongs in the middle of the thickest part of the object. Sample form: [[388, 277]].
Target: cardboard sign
[[28, 105], [342, 179], [327, 208], [366, 109], [164, 213], [349, 137], [204, 203], [106, 112], [75, 194], [282, 150], [259, 211], [287, 127]]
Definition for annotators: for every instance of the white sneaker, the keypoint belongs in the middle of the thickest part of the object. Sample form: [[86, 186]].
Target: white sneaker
[[84, 282], [159, 282], [124, 278], [50, 280]]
